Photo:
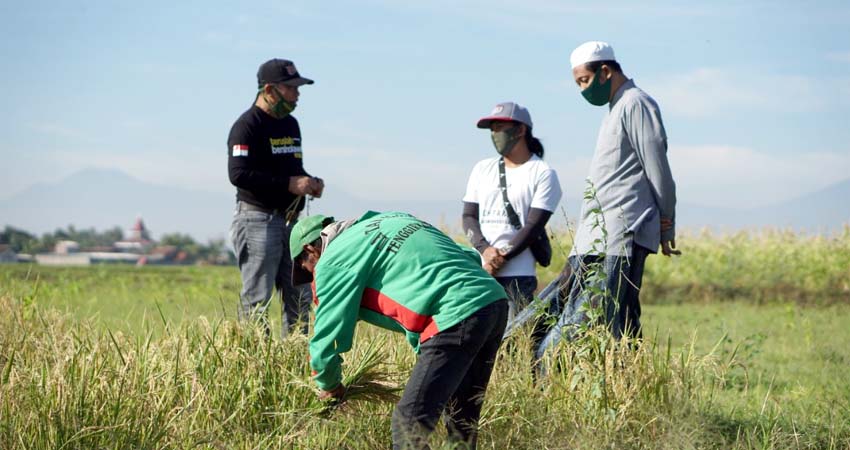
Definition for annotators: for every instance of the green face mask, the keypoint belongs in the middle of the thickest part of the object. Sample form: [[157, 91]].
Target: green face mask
[[597, 93], [505, 140], [283, 107]]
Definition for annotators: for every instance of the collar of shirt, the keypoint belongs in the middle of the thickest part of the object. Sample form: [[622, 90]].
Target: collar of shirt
[[627, 85], [330, 232]]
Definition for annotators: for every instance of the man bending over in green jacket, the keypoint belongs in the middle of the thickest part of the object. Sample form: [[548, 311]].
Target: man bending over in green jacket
[[398, 272]]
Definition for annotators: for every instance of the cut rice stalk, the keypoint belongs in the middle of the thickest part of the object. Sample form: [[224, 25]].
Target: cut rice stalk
[[367, 381]]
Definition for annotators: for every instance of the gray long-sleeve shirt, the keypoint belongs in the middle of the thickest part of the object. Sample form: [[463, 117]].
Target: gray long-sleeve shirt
[[633, 185]]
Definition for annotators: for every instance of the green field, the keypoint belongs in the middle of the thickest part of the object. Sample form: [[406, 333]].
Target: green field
[[747, 347]]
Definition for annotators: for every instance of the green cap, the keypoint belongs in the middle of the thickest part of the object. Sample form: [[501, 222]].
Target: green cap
[[304, 232]]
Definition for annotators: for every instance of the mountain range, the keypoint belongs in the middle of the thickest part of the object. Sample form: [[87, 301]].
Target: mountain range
[[822, 211], [104, 198]]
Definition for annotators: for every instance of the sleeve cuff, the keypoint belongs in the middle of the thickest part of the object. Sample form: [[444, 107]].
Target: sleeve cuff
[[328, 378], [327, 385]]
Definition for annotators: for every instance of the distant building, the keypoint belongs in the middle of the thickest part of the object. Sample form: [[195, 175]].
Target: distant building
[[66, 247], [138, 249], [7, 255], [102, 248], [89, 258], [26, 258], [138, 239], [60, 259]]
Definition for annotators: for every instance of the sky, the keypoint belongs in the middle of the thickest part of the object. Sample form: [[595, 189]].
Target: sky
[[755, 95]]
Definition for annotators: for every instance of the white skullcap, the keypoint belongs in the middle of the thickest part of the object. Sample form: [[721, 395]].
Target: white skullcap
[[591, 51]]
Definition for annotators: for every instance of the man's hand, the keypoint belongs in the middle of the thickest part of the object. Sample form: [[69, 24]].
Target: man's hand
[[304, 185], [334, 394], [668, 248], [300, 185], [494, 259], [318, 186]]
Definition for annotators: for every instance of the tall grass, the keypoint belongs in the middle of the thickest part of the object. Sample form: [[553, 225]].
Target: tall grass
[[754, 266], [150, 370], [767, 265], [68, 384]]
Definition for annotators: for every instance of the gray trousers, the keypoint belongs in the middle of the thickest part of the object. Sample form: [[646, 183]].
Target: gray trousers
[[615, 302], [261, 243]]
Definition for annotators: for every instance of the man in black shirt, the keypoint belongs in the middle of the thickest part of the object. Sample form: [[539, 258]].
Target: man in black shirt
[[266, 166]]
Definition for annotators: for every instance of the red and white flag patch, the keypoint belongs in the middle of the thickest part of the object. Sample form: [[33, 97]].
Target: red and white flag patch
[[240, 150]]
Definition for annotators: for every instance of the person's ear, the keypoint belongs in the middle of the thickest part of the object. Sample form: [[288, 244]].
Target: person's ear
[[607, 73], [268, 90]]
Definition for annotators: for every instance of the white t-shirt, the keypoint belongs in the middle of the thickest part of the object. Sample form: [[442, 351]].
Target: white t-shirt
[[531, 185]]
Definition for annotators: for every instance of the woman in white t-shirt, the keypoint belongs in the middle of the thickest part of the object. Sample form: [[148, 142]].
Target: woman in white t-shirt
[[533, 191]]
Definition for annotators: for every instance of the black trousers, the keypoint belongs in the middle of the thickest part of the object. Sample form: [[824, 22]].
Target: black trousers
[[450, 376]]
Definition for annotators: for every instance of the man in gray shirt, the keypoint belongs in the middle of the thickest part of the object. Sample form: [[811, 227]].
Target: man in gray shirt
[[629, 204]]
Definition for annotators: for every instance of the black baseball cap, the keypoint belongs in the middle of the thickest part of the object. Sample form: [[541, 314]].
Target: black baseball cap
[[280, 71]]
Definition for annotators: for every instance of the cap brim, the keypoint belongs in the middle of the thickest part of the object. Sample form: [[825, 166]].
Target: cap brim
[[300, 81], [486, 121], [299, 275]]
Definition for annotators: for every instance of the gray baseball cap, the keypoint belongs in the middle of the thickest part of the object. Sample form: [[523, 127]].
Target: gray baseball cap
[[504, 112]]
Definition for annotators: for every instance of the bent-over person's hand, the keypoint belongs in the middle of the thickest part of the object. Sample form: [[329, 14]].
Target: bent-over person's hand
[[668, 248], [334, 394]]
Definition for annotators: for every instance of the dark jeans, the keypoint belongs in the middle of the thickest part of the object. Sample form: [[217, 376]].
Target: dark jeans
[[261, 243], [618, 305], [451, 374], [520, 292]]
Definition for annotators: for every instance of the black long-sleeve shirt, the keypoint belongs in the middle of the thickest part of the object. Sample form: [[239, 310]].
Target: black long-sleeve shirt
[[263, 152]]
